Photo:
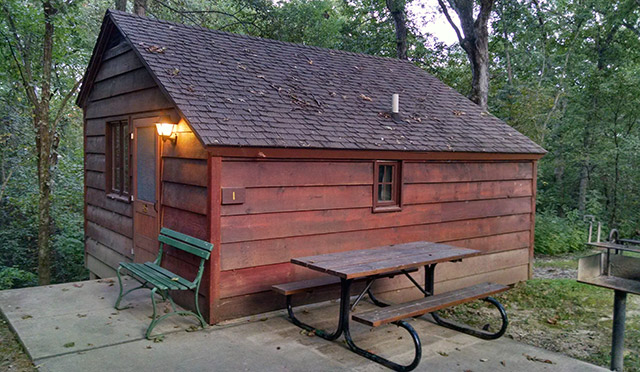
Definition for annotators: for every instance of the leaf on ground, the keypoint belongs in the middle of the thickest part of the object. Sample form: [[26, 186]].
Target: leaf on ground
[[149, 347], [69, 344], [65, 289], [553, 320], [484, 360], [191, 328], [536, 359], [366, 98], [81, 315], [443, 353], [78, 285], [158, 338], [24, 317]]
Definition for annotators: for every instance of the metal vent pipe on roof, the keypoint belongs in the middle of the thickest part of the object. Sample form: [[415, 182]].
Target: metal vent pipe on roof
[[395, 103]]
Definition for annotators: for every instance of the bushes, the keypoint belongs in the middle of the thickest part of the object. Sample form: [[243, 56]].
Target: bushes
[[556, 235], [12, 277]]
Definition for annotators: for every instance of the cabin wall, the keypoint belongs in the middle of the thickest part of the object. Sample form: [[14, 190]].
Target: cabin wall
[[122, 89], [304, 207], [184, 205]]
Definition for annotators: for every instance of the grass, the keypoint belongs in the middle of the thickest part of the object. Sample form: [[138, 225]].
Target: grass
[[565, 316], [12, 355]]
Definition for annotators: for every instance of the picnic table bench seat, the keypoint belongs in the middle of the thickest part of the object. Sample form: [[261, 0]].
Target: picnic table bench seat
[[159, 280], [389, 314]]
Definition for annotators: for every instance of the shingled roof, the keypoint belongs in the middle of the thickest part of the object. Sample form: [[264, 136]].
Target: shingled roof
[[237, 90]]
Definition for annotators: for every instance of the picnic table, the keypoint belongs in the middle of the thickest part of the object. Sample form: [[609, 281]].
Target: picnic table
[[384, 262]]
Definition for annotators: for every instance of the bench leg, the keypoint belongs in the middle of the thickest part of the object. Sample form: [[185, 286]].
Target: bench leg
[[155, 320], [480, 333], [308, 328], [121, 295], [386, 362], [344, 320]]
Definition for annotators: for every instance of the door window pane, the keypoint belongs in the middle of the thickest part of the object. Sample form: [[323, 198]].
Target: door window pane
[[146, 164]]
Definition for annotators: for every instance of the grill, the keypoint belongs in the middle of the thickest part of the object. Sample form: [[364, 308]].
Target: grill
[[613, 270]]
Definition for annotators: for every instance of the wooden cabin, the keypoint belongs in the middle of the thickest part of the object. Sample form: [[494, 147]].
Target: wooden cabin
[[284, 150]]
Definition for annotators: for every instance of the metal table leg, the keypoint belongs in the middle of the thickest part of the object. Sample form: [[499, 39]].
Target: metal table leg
[[344, 320], [617, 342]]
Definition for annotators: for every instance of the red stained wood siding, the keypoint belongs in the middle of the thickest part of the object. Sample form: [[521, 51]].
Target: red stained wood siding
[[184, 204], [296, 208]]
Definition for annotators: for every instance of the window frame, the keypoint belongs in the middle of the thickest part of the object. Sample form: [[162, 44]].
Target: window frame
[[395, 204], [112, 191]]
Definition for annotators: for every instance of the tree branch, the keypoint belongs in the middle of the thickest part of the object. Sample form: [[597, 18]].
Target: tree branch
[[24, 67], [443, 6], [63, 104], [485, 12], [26, 82]]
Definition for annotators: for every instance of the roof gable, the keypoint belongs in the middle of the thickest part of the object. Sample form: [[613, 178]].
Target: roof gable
[[236, 90]]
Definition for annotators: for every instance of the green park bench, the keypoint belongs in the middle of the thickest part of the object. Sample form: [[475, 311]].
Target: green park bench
[[160, 280]]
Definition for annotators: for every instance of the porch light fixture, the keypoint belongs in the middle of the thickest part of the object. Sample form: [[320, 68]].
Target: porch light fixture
[[166, 129]]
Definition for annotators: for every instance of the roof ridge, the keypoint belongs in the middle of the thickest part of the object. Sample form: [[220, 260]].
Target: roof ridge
[[257, 38]]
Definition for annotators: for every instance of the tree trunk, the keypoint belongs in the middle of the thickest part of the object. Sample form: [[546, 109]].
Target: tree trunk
[[397, 10], [44, 142], [475, 43], [140, 7], [479, 58], [121, 5], [44, 147], [584, 186]]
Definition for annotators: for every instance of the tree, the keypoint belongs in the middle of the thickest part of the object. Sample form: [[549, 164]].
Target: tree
[[48, 94], [121, 5], [475, 43], [140, 7], [397, 10]]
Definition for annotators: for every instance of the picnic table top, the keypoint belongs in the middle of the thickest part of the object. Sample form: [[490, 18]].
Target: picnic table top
[[366, 262]]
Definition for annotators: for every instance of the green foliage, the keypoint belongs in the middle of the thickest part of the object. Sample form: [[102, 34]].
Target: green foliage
[[556, 235], [11, 277]]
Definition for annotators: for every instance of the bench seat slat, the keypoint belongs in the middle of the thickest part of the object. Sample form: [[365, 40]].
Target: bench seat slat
[[305, 285], [170, 275], [157, 279], [143, 275], [429, 304], [202, 253]]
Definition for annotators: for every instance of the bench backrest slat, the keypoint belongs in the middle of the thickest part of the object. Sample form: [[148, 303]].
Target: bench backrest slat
[[186, 238], [186, 243]]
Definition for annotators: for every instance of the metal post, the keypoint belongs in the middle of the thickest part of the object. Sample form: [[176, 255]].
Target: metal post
[[617, 343]]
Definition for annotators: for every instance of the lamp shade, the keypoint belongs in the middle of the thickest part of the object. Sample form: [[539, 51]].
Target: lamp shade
[[164, 126]]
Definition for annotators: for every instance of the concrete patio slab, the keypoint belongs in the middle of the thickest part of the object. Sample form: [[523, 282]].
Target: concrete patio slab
[[106, 340], [72, 317]]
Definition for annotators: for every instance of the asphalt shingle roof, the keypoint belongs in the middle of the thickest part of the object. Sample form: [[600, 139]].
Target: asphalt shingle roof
[[237, 90]]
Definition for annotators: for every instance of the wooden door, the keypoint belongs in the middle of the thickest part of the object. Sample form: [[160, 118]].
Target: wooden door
[[146, 189]]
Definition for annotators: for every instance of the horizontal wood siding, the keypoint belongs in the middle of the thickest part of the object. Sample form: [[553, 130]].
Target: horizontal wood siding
[[298, 208], [122, 87], [184, 201]]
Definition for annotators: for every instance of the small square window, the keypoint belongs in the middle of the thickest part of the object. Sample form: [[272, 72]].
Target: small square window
[[387, 186], [118, 157]]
